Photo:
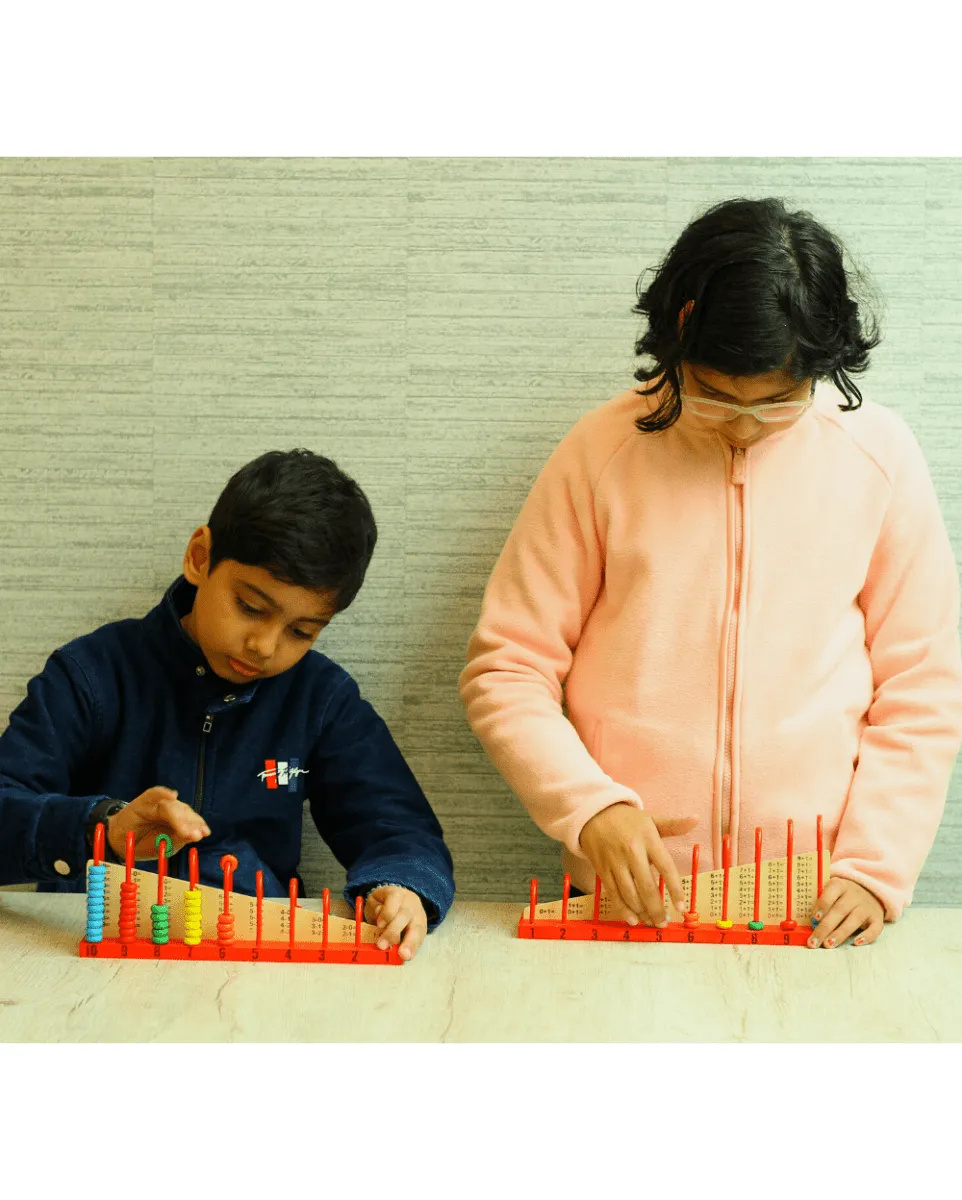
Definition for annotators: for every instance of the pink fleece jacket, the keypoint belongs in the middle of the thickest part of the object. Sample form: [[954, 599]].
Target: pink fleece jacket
[[741, 635]]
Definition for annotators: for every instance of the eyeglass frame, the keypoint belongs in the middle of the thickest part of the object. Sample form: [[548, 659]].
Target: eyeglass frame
[[753, 410]]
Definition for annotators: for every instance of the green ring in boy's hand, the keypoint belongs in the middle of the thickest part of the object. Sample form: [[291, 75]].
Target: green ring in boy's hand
[[163, 837]]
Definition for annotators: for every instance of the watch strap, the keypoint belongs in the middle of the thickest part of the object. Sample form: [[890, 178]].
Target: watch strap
[[100, 814]]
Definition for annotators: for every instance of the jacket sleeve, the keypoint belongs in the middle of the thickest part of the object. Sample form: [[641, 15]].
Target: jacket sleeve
[[540, 594], [44, 747], [370, 809], [914, 724]]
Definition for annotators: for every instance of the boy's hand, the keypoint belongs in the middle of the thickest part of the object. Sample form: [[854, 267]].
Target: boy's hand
[[155, 811], [623, 844], [397, 911], [842, 909]]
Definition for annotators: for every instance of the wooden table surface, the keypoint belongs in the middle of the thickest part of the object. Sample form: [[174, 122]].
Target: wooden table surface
[[473, 981]]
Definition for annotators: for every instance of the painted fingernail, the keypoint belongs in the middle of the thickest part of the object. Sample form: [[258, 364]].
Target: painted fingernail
[[818, 916], [830, 942], [859, 941], [813, 943]]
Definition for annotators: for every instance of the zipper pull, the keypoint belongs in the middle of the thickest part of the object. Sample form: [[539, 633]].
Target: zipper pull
[[738, 466], [208, 723]]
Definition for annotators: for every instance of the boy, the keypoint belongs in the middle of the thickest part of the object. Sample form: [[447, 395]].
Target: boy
[[214, 695]]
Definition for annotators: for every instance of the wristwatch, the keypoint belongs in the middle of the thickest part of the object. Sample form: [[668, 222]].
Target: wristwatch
[[100, 814]]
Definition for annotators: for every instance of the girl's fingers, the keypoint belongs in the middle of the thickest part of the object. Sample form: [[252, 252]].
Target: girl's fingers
[[852, 924], [828, 926], [830, 893], [663, 863], [833, 918], [870, 933], [651, 898], [627, 893], [652, 909]]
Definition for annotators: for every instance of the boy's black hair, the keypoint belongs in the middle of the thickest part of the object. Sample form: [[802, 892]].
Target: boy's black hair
[[297, 515], [769, 292]]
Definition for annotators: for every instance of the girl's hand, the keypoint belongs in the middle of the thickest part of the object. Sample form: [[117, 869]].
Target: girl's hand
[[397, 911], [624, 844], [155, 811], [842, 909]]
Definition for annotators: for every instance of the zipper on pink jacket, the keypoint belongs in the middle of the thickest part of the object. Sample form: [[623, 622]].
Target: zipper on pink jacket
[[738, 480]]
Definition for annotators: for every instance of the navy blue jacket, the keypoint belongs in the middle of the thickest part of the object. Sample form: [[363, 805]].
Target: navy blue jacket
[[135, 704]]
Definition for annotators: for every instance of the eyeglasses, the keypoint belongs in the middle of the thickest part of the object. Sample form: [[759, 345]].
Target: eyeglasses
[[722, 410]]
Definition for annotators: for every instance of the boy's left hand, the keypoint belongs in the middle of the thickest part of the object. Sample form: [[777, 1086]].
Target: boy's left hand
[[399, 916], [842, 909]]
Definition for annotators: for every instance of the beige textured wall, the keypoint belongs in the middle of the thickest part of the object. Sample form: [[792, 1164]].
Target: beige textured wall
[[433, 325]]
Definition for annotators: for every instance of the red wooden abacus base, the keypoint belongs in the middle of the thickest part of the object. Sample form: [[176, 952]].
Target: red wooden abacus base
[[210, 951], [224, 948], [703, 933], [548, 929]]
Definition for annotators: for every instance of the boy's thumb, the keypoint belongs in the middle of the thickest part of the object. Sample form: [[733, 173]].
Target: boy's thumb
[[674, 826]]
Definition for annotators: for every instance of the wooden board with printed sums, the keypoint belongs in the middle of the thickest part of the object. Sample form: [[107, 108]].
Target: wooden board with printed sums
[[275, 914], [741, 898], [342, 945]]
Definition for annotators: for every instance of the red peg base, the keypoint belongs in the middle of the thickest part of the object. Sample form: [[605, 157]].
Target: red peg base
[[550, 929], [210, 951]]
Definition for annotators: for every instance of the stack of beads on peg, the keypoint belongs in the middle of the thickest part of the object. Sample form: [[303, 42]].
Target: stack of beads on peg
[[787, 932], [194, 947]]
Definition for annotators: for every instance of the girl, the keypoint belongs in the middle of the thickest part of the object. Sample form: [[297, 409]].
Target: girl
[[729, 598]]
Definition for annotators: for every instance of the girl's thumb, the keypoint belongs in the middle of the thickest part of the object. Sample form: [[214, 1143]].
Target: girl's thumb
[[674, 826]]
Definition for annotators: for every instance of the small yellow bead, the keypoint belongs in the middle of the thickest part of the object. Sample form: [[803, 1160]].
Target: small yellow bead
[[723, 924]]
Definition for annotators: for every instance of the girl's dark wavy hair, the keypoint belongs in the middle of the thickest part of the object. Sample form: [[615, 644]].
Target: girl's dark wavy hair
[[769, 292]]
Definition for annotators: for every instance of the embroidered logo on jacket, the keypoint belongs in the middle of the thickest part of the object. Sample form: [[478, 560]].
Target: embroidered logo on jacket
[[282, 774]]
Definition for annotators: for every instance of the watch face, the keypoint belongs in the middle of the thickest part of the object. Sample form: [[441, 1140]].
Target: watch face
[[100, 814]]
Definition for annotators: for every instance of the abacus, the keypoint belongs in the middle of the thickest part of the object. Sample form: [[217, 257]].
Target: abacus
[[142, 935], [555, 921]]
